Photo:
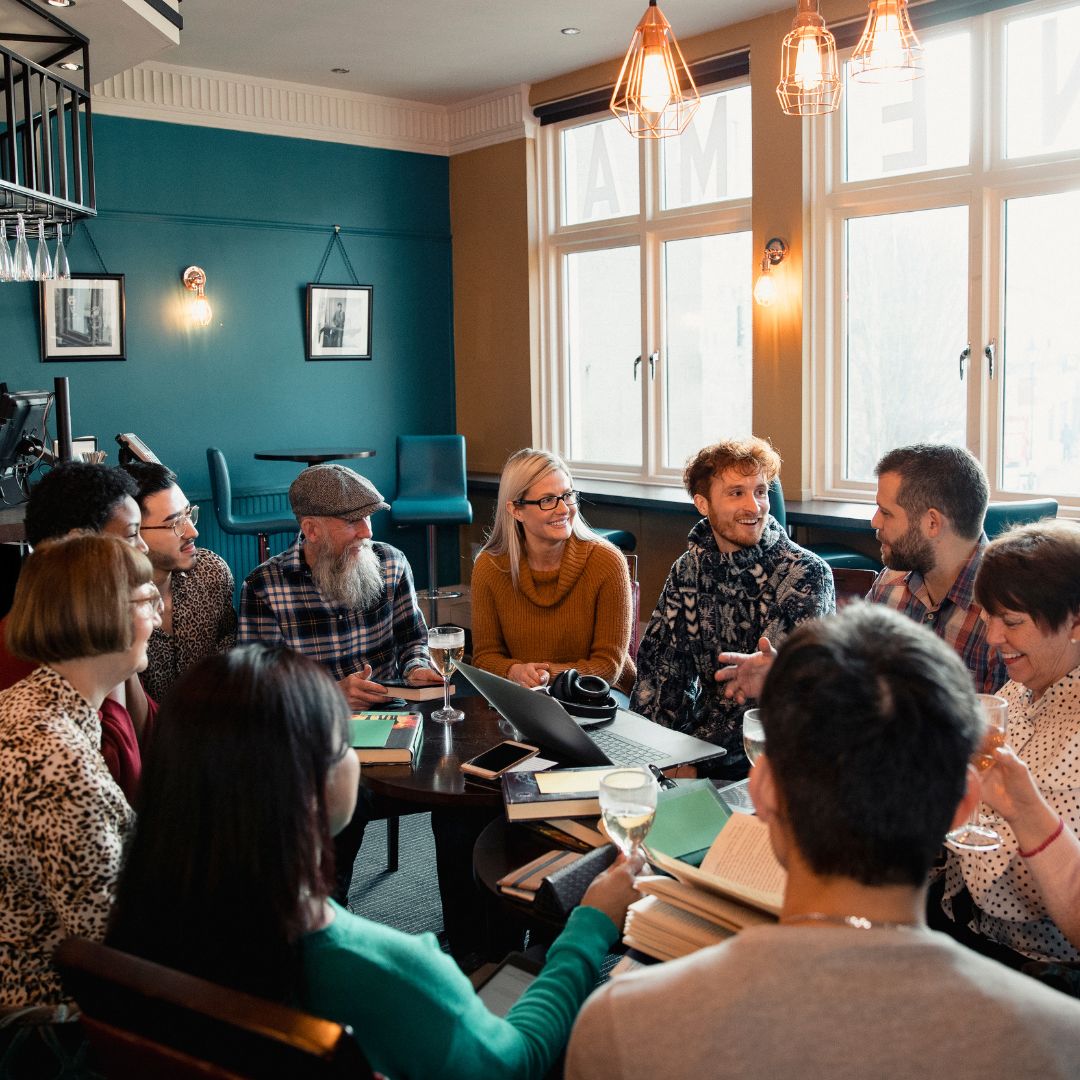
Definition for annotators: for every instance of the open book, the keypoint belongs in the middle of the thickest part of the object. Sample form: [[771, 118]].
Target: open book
[[739, 884]]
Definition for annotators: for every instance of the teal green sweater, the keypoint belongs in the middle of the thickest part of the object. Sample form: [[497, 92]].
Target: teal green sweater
[[416, 1015]]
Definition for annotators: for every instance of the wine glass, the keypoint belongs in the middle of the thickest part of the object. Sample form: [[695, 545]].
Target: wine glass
[[42, 262], [24, 267], [974, 836], [753, 735], [628, 806], [447, 646], [7, 264], [61, 266]]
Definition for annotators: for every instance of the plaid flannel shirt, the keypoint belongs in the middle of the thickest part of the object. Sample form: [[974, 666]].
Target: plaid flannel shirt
[[281, 605], [957, 619]]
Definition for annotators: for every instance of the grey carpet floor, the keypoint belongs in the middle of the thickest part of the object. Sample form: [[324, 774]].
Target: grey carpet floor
[[408, 898]]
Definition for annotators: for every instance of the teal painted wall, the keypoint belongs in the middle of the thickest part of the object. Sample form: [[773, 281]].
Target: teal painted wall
[[256, 213]]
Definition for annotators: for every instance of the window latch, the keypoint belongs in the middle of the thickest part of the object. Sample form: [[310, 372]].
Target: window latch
[[988, 352], [652, 365], [965, 356], [637, 364]]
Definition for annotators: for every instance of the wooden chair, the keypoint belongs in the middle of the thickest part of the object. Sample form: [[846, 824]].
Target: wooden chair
[[143, 1020], [851, 584]]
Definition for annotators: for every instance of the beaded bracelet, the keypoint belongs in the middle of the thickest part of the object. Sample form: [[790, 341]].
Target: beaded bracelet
[[1047, 842]]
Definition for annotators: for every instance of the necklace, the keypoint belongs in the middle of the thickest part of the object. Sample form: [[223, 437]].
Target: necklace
[[855, 922]]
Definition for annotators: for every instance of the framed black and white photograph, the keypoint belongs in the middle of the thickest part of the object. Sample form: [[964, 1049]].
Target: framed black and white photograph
[[82, 318], [339, 322]]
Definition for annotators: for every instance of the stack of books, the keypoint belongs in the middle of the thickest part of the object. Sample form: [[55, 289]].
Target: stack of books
[[739, 884]]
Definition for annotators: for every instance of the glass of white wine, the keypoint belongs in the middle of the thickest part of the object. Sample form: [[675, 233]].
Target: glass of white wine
[[753, 735], [628, 806], [446, 644], [974, 836]]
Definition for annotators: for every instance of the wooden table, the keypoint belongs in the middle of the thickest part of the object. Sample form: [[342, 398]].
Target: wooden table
[[316, 456], [435, 779]]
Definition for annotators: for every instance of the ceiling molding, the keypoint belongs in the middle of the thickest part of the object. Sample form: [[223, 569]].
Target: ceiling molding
[[178, 95]]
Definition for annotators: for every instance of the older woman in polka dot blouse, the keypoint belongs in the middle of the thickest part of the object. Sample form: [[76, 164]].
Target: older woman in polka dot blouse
[[1029, 586]]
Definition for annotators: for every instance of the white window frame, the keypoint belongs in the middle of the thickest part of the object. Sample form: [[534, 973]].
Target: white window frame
[[984, 185], [649, 229]]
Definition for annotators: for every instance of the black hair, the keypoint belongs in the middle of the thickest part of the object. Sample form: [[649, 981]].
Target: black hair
[[232, 840], [150, 477], [75, 495], [869, 724], [947, 478]]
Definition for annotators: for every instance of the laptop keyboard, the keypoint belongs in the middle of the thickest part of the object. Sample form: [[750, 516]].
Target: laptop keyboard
[[624, 751]]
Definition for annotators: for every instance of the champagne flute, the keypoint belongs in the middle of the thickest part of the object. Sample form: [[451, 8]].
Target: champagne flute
[[61, 266], [753, 735], [24, 267], [7, 264], [975, 836], [43, 270], [446, 644], [628, 806]]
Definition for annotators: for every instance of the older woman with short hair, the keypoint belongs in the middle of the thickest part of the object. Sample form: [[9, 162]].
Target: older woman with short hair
[[548, 593], [1028, 584], [84, 610]]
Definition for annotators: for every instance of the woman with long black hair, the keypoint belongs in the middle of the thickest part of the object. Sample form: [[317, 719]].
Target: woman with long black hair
[[230, 871]]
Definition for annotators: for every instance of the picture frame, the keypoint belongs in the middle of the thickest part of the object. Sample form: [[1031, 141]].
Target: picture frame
[[83, 318], [339, 322]]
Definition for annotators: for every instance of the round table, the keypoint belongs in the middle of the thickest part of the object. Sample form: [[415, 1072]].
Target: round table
[[317, 456], [435, 778]]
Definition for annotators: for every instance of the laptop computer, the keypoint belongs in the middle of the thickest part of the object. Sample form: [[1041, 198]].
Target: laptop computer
[[629, 739]]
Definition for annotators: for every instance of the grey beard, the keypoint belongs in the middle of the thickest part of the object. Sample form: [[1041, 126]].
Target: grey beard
[[348, 582]]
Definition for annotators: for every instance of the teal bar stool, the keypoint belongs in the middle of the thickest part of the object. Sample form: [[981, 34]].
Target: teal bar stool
[[431, 492], [221, 488], [623, 539]]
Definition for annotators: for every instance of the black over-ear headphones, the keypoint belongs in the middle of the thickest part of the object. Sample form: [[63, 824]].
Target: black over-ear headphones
[[587, 696]]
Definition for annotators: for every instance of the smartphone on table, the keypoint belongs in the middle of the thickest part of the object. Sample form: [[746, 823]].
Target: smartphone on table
[[494, 762]]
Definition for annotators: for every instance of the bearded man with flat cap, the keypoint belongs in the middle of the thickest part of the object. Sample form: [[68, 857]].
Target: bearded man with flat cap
[[336, 595]]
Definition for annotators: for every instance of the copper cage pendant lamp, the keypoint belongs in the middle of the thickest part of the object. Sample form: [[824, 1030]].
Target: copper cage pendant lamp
[[888, 50], [809, 74], [655, 95]]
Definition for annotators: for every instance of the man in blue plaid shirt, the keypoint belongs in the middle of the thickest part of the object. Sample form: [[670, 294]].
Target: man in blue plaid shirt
[[338, 597]]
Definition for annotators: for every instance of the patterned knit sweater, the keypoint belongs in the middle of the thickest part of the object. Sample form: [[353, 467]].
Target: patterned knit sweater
[[715, 602], [577, 616]]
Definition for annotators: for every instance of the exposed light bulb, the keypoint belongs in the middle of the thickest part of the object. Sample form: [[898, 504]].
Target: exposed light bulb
[[888, 48], [655, 87], [765, 289], [808, 67], [200, 312]]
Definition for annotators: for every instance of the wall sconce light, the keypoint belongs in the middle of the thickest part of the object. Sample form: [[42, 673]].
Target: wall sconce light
[[655, 95], [809, 75], [765, 289], [199, 311], [888, 50]]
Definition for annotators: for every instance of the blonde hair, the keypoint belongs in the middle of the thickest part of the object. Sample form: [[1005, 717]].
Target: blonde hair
[[73, 599], [521, 471]]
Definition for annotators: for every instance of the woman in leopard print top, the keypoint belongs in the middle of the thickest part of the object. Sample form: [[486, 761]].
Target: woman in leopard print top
[[84, 610]]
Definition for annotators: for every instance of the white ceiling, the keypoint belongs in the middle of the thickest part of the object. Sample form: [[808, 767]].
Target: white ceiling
[[438, 51]]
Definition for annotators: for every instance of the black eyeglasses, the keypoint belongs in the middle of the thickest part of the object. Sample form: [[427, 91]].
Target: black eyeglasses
[[189, 517], [549, 502]]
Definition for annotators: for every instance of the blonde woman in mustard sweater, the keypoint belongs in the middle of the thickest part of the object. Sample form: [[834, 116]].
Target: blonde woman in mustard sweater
[[547, 592]]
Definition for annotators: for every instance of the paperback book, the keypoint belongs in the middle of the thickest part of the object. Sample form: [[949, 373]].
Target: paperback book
[[386, 738]]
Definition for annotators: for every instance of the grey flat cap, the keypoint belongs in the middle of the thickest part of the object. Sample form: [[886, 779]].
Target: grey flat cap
[[334, 491]]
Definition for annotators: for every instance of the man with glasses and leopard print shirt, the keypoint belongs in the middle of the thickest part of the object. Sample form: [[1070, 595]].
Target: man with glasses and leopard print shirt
[[196, 585]]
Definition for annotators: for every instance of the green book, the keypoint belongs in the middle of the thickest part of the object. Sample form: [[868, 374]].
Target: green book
[[688, 819], [385, 737]]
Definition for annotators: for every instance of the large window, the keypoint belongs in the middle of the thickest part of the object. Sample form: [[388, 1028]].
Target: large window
[[647, 262], [944, 302]]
